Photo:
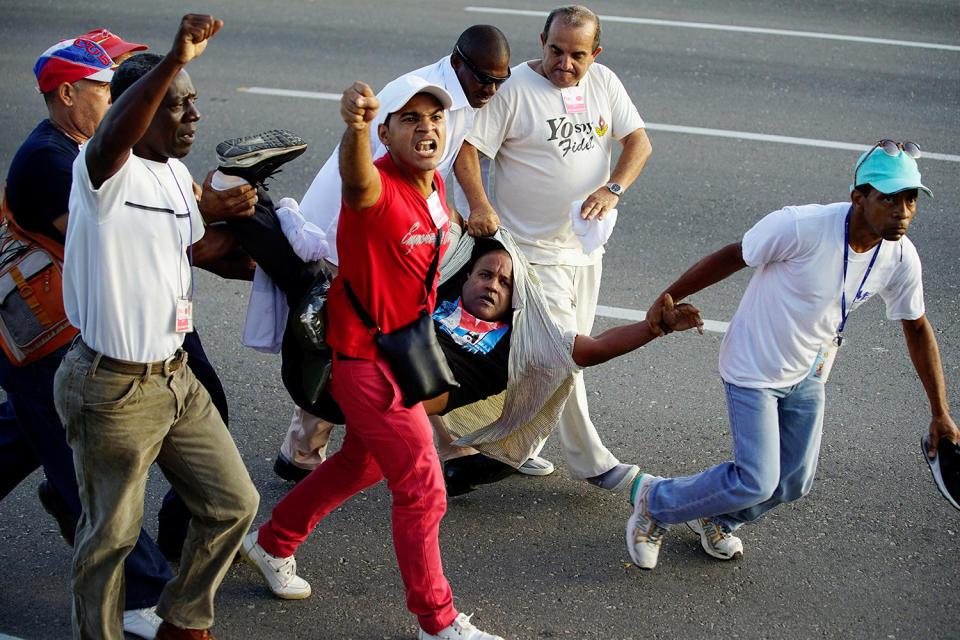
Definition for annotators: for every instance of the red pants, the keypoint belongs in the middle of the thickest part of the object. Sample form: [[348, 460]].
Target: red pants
[[383, 439]]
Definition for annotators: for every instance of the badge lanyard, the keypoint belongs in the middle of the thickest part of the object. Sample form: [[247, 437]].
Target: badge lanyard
[[843, 290], [183, 320]]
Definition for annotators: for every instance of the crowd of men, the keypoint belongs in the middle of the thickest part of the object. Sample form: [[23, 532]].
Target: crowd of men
[[101, 178]]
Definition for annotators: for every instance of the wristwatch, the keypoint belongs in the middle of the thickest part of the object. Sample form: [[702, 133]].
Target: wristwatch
[[615, 189]]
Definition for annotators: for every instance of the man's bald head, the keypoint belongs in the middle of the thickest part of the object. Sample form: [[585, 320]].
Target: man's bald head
[[481, 60]]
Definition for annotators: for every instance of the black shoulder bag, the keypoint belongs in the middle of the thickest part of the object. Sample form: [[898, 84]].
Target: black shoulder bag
[[412, 351]]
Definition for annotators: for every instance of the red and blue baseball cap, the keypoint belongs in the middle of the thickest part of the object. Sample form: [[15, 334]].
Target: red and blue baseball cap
[[113, 44], [72, 60]]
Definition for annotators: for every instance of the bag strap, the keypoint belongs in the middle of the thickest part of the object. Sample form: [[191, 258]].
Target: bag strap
[[46, 243], [428, 285]]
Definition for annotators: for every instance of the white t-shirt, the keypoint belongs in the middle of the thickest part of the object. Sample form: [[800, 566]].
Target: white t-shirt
[[545, 158], [321, 203], [792, 304], [125, 264]]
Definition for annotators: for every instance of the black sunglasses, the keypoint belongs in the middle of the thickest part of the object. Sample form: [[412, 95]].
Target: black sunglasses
[[891, 148], [482, 77]]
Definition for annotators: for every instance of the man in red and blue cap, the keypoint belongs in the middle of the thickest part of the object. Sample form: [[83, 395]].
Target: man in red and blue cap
[[815, 264]]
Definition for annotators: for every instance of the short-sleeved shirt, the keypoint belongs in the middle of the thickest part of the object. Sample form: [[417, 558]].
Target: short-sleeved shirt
[[385, 252], [321, 203], [126, 264], [792, 305], [39, 179], [545, 158], [477, 351]]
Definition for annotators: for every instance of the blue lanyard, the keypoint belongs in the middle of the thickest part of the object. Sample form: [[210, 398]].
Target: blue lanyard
[[843, 283]]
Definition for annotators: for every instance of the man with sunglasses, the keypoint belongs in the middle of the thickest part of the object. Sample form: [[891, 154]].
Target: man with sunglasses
[[816, 263], [550, 133], [472, 74]]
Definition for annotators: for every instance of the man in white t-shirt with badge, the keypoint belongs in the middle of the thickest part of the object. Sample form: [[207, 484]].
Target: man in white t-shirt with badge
[[550, 132], [815, 264], [123, 390]]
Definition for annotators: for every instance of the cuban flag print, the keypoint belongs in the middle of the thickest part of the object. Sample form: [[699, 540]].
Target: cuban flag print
[[473, 334]]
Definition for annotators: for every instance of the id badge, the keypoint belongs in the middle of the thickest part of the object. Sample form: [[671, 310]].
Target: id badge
[[573, 100], [823, 363], [184, 319]]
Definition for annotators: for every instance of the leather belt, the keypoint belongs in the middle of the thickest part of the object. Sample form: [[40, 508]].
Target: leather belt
[[129, 368]]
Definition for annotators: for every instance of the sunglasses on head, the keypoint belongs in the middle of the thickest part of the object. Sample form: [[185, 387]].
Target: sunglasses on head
[[482, 77], [892, 148]]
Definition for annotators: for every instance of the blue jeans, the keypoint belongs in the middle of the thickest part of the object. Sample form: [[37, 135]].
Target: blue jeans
[[31, 435], [776, 443]]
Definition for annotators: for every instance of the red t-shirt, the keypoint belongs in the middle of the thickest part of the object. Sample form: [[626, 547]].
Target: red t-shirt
[[385, 252]]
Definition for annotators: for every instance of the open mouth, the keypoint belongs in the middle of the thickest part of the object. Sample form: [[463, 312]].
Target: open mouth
[[426, 147]]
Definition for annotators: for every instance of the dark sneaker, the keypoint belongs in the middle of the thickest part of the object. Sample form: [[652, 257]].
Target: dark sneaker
[[256, 158], [56, 505], [287, 470], [945, 468], [464, 474], [618, 478]]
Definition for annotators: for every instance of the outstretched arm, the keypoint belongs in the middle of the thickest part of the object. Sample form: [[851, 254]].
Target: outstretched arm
[[483, 220], [712, 269], [925, 354], [361, 181], [130, 116], [588, 351]]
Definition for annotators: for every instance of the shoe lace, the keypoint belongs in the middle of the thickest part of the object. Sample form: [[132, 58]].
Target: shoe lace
[[285, 567], [714, 533], [647, 530], [262, 181]]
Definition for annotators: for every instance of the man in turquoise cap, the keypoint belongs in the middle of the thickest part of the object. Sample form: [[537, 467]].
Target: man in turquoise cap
[[815, 264]]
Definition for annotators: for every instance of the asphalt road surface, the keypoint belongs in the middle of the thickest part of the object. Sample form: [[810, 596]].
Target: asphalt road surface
[[871, 553]]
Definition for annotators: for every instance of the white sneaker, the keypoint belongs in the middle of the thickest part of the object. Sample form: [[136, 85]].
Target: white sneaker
[[460, 629], [536, 466], [142, 623], [714, 540], [280, 573], [644, 534]]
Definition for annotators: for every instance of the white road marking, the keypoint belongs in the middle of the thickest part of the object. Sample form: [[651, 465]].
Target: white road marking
[[733, 28], [635, 315], [653, 126]]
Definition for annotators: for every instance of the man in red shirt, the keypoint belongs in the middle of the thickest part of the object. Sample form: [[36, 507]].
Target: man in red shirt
[[393, 222]]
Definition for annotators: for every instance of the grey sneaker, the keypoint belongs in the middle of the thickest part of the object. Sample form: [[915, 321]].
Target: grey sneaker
[[616, 479], [142, 623], [256, 158], [280, 573], [714, 540], [460, 629], [536, 466], [644, 534]]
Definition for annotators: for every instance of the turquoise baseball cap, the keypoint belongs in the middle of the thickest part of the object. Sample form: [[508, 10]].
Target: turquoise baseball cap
[[888, 174]]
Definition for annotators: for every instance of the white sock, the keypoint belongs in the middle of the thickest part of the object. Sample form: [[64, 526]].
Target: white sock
[[221, 181]]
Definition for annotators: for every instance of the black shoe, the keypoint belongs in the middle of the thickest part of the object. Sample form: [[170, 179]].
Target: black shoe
[[56, 505], [945, 468], [287, 470], [256, 158], [464, 474]]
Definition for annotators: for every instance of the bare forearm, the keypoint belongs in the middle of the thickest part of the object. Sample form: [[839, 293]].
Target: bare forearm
[[925, 355], [712, 269], [636, 151], [589, 351], [467, 169]]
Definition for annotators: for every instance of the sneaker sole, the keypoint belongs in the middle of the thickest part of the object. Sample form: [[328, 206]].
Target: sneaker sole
[[536, 471], [935, 471], [248, 151], [284, 596]]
